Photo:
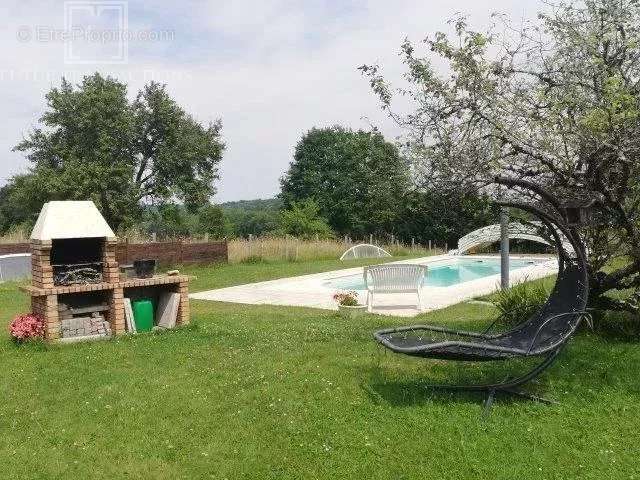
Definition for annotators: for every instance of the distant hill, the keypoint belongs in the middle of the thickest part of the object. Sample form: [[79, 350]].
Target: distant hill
[[267, 204]]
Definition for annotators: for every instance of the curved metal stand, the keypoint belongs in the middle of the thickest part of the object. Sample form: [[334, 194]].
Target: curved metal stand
[[507, 387]]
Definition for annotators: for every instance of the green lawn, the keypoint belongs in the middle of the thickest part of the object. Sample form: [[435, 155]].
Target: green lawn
[[289, 393]]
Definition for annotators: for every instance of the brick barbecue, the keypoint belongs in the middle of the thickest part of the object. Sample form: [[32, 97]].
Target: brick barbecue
[[76, 283]]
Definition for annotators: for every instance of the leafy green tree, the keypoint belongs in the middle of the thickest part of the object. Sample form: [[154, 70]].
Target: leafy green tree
[[547, 111], [176, 157], [95, 144], [252, 217], [357, 179], [20, 202], [167, 220], [171, 220], [303, 220], [444, 216], [211, 221], [258, 223]]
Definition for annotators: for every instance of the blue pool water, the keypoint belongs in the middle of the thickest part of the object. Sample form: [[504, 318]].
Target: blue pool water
[[444, 274]]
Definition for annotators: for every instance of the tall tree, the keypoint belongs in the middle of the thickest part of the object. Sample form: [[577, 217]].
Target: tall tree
[[444, 215], [551, 107], [177, 157], [210, 220], [356, 178], [303, 220], [252, 217], [95, 144], [20, 202]]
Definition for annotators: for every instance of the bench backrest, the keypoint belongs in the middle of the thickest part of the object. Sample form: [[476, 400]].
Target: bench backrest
[[394, 278]]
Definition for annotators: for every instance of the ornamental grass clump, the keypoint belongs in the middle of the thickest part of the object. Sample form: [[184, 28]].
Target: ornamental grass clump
[[346, 299], [518, 303], [26, 327]]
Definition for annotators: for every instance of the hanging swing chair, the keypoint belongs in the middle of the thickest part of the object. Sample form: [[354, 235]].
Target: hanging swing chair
[[543, 335]]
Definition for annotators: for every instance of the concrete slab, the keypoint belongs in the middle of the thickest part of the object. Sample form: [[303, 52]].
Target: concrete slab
[[311, 291]]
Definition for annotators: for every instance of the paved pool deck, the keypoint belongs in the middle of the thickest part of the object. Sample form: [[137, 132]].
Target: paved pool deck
[[311, 291]]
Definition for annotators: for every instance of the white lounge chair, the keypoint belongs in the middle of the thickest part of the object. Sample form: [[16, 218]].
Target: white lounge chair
[[394, 279]]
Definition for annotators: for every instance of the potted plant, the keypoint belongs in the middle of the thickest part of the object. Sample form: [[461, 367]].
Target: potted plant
[[348, 304]]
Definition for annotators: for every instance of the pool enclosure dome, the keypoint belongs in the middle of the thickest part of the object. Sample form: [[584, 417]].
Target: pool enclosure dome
[[491, 233], [364, 250]]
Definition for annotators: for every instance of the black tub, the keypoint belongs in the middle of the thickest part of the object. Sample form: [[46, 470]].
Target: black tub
[[144, 268]]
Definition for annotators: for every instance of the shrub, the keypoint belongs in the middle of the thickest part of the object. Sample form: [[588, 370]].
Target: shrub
[[347, 299], [253, 260], [303, 220], [519, 302], [26, 327], [622, 326]]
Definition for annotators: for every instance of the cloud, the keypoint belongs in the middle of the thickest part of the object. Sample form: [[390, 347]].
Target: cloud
[[271, 70]]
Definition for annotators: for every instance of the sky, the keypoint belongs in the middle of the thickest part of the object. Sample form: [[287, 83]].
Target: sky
[[269, 69]]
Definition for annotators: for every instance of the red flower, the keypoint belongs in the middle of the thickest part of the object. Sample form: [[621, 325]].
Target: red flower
[[27, 326]]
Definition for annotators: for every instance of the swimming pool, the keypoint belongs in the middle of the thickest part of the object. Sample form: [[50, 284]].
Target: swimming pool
[[444, 273]]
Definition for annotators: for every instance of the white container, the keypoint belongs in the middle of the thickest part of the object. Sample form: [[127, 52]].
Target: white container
[[355, 311]]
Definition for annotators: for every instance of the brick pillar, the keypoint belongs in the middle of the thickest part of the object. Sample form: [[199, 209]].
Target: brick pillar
[[38, 306], [184, 314], [116, 311], [110, 268], [41, 270], [46, 306]]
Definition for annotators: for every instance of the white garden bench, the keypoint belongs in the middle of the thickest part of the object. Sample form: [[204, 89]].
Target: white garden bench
[[394, 279]]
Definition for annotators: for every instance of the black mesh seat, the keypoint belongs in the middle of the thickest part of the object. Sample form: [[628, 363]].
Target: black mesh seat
[[544, 332]]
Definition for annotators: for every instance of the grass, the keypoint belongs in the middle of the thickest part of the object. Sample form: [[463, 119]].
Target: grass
[[289, 393], [291, 248]]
